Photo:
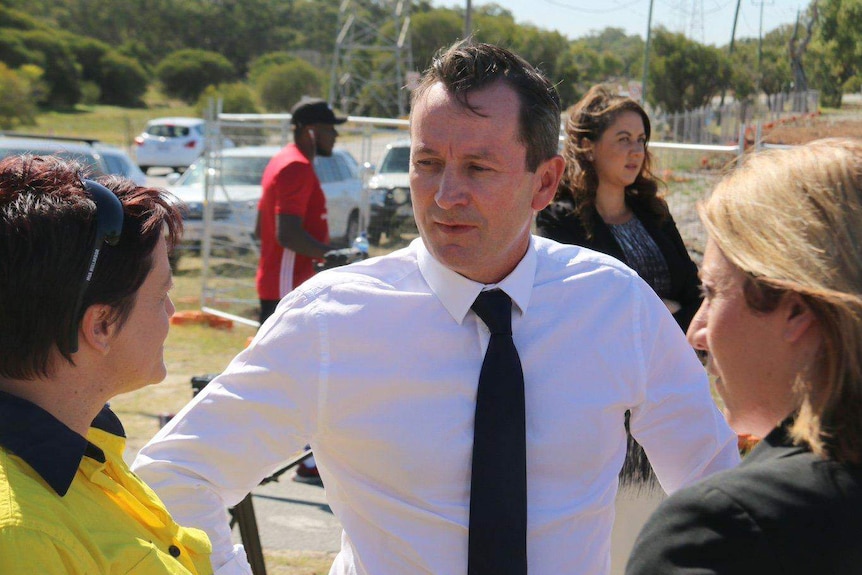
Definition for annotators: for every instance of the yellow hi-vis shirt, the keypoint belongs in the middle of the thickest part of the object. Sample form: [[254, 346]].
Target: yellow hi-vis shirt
[[72, 506]]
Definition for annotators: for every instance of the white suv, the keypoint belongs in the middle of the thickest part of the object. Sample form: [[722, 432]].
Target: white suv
[[391, 208], [172, 143], [236, 175]]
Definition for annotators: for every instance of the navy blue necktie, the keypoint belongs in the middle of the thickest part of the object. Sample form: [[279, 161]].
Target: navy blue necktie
[[498, 491]]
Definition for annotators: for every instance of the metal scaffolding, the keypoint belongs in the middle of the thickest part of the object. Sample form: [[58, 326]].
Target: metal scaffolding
[[373, 58]]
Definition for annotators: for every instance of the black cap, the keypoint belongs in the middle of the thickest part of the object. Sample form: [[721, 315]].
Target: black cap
[[313, 111]]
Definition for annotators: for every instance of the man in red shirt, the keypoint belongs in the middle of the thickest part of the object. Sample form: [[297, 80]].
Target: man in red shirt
[[291, 217]]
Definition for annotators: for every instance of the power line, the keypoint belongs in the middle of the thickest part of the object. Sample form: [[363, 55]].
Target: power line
[[568, 6]]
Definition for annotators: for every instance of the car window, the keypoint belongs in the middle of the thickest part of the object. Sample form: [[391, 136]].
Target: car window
[[235, 171], [351, 164], [397, 160], [242, 171], [115, 164], [168, 131], [325, 169], [343, 172]]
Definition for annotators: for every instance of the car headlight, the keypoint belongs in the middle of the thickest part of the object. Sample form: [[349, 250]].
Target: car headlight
[[400, 195]]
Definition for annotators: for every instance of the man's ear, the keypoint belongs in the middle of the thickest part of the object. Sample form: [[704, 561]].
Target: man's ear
[[549, 172], [797, 315], [97, 328]]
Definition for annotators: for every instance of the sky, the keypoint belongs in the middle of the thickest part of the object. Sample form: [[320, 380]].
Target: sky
[[705, 21]]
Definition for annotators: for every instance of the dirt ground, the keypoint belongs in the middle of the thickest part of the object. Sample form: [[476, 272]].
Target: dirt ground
[[845, 123]]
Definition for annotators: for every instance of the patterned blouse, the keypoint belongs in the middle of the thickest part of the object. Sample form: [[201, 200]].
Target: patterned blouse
[[643, 254]]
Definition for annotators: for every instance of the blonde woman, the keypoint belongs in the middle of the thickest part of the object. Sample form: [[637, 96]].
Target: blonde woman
[[781, 325]]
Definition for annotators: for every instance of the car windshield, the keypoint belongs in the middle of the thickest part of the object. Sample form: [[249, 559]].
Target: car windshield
[[397, 161], [168, 131], [235, 171]]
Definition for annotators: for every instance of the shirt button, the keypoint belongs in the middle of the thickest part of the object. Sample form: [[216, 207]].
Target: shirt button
[[174, 551]]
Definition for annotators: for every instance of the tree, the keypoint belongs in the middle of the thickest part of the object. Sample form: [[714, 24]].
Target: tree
[[841, 45], [280, 87], [186, 73], [684, 74], [431, 31]]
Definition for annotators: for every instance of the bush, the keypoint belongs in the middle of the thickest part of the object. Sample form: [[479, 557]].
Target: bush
[[185, 74], [90, 93], [88, 53], [62, 71], [14, 52], [16, 100], [16, 20], [237, 98], [263, 63], [124, 81], [281, 86]]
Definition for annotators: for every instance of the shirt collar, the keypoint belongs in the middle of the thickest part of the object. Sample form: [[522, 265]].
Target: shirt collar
[[46, 444], [458, 293]]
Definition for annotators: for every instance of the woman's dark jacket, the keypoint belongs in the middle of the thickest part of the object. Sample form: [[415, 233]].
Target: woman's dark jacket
[[559, 222]]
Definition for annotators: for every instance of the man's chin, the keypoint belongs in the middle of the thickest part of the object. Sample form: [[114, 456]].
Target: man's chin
[[324, 153]]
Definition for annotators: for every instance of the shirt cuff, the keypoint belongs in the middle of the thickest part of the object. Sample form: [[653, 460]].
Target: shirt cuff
[[237, 563]]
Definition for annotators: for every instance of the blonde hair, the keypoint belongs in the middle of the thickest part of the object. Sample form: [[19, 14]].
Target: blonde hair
[[792, 221]]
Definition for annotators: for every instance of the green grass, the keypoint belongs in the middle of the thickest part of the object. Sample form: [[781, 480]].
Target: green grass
[[110, 124]]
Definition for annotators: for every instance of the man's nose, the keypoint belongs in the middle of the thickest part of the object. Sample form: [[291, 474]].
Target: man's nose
[[451, 190]]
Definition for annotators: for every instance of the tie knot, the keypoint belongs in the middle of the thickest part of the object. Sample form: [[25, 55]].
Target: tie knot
[[494, 308]]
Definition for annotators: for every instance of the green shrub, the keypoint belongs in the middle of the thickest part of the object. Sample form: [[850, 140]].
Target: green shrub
[[16, 20], [88, 53], [259, 65], [237, 98], [14, 51], [16, 100], [124, 81], [281, 86], [185, 74], [62, 72], [90, 93]]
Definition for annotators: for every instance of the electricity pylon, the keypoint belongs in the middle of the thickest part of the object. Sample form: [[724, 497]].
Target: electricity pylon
[[373, 57]]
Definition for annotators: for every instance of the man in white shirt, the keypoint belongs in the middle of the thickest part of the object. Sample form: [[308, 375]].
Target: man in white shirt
[[375, 365]]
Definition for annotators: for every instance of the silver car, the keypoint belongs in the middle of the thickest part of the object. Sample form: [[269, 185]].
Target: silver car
[[236, 176], [99, 159]]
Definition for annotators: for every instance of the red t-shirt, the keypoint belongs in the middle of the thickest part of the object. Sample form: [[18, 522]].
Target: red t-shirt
[[290, 187]]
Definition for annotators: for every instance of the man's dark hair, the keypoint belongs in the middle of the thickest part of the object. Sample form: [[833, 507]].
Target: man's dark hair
[[47, 224], [469, 66]]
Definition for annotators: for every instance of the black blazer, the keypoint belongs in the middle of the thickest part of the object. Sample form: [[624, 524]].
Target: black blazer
[[783, 511], [558, 222]]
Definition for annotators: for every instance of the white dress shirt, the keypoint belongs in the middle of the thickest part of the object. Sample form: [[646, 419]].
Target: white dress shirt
[[376, 365]]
